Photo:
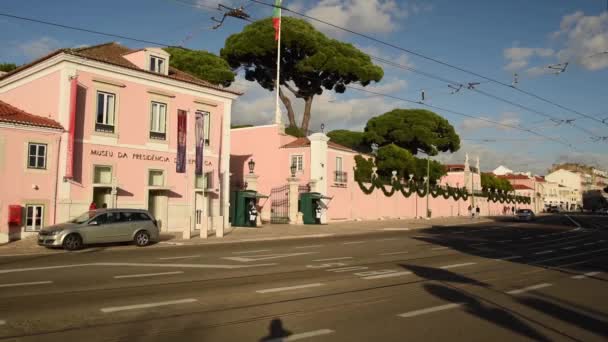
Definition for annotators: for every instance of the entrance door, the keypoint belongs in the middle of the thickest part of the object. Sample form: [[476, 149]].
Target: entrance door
[[157, 205], [102, 196], [198, 211]]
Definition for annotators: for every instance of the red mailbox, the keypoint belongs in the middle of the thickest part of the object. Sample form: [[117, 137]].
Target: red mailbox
[[14, 214]]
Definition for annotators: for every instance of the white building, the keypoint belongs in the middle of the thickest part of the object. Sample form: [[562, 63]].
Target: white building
[[570, 184], [502, 170]]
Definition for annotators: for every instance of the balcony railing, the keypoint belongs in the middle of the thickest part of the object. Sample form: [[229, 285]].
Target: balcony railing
[[158, 136], [99, 127], [340, 177]]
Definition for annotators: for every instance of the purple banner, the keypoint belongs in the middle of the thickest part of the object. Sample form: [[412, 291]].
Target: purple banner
[[182, 124], [200, 142]]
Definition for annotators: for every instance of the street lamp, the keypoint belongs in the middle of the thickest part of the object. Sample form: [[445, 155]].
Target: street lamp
[[251, 165], [293, 170]]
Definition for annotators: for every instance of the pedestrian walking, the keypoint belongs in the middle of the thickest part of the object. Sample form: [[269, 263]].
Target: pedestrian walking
[[478, 211], [92, 206]]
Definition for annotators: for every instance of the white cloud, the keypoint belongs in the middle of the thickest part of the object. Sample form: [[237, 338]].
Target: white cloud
[[506, 118], [37, 48], [581, 39], [519, 57], [585, 36], [365, 16]]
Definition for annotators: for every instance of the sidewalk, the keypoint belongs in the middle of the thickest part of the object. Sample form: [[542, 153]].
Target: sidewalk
[[268, 232]]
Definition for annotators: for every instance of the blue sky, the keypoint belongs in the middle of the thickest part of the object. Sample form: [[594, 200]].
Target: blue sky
[[493, 38]]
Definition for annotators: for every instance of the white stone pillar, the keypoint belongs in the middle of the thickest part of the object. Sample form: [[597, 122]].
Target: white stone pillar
[[293, 199], [318, 164], [225, 169]]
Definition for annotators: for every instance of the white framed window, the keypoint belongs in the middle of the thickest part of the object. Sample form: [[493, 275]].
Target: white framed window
[[298, 160], [156, 178], [206, 126], [157, 64], [158, 120], [36, 156], [102, 175], [339, 164], [34, 214], [204, 181], [106, 103]]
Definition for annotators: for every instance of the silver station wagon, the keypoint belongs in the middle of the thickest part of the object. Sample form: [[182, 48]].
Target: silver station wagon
[[102, 226]]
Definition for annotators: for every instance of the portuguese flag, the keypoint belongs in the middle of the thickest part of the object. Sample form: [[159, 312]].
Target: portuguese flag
[[276, 18]]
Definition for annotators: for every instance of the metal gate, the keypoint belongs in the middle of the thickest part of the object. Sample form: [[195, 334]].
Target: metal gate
[[279, 204]]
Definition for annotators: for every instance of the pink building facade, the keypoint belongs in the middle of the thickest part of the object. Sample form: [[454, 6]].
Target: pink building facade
[[328, 168], [120, 112]]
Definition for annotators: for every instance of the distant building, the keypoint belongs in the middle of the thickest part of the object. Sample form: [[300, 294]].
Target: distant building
[[573, 181], [502, 170]]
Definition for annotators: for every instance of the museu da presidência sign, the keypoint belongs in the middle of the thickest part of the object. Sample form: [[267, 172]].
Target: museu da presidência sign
[[140, 156]]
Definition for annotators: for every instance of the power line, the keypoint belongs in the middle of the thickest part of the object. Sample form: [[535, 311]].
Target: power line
[[468, 116], [435, 60]]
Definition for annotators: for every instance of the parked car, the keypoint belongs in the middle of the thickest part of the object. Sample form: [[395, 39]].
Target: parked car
[[525, 214], [101, 226], [554, 209]]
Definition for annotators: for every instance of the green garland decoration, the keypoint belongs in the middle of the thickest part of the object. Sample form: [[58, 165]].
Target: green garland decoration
[[364, 189]]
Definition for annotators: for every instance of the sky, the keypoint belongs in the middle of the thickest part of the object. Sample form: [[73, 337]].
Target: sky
[[489, 37]]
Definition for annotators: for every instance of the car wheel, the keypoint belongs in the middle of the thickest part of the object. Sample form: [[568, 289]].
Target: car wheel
[[72, 242], [142, 238]]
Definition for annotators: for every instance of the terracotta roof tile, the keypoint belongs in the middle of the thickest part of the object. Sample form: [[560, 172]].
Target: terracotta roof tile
[[521, 187], [15, 115], [112, 53], [514, 177]]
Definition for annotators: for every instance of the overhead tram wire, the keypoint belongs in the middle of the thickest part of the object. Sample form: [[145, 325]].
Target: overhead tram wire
[[519, 128], [435, 60]]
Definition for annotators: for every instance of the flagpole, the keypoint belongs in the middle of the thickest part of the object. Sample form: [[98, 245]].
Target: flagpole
[[277, 114]]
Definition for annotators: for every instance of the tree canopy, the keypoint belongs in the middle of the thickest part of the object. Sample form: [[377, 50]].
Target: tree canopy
[[354, 140], [310, 62], [491, 182], [201, 64], [393, 158], [6, 67], [413, 130]]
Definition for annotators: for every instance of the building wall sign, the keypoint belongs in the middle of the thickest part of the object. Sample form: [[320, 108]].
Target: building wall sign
[[141, 156]]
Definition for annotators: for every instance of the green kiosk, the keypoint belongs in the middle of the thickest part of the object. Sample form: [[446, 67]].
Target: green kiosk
[[243, 208], [311, 205]]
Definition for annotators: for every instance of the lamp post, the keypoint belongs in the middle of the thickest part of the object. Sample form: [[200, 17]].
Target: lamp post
[[427, 181], [428, 184], [251, 165]]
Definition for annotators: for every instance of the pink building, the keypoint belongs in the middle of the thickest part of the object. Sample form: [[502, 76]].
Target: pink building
[[531, 186], [105, 122]]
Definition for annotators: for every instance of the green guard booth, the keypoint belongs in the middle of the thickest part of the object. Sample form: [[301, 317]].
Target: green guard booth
[[307, 205], [239, 207]]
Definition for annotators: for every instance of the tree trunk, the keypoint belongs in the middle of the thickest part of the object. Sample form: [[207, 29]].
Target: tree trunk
[[290, 113], [306, 115]]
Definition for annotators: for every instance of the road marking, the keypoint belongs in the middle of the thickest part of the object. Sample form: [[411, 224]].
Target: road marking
[[227, 267], [301, 336], [143, 275], [589, 244], [571, 256], [251, 252], [180, 257], [601, 241], [544, 235], [430, 310], [544, 252], [529, 288], [583, 276], [251, 258], [570, 247], [347, 269], [27, 284], [478, 244], [389, 239], [353, 242], [289, 288], [511, 257], [395, 229], [457, 265], [387, 275], [332, 259], [527, 238], [145, 306], [395, 253], [576, 223], [439, 248], [311, 246], [503, 241]]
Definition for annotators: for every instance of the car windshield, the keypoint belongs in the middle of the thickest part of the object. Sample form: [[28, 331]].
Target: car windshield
[[523, 211], [84, 217]]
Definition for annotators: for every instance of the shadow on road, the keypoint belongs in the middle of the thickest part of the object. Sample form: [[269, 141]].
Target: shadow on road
[[438, 274], [276, 332], [493, 314]]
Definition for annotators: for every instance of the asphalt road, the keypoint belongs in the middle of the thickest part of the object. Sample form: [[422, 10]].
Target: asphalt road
[[499, 281]]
